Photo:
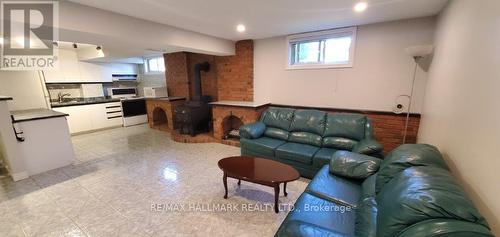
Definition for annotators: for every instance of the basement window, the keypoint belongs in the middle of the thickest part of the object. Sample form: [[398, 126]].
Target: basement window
[[155, 65], [322, 49]]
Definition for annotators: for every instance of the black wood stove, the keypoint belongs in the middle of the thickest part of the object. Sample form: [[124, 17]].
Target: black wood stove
[[194, 116]]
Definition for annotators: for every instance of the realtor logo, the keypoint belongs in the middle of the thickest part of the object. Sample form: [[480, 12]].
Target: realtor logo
[[29, 30]]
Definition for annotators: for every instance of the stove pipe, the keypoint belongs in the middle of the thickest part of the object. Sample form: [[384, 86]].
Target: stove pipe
[[197, 79]]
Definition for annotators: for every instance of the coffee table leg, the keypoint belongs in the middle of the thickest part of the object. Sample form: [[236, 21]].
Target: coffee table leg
[[284, 189], [276, 197], [224, 180], [239, 181]]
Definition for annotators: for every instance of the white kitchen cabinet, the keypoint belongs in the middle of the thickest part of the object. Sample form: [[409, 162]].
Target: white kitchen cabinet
[[84, 118], [67, 70], [95, 72], [78, 119]]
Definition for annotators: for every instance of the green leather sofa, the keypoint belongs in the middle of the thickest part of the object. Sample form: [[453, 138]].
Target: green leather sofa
[[307, 139], [413, 194]]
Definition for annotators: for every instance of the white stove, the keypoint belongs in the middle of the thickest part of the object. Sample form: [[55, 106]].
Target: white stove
[[133, 107]]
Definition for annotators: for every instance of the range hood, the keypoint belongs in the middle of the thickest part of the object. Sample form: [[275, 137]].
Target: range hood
[[124, 77]]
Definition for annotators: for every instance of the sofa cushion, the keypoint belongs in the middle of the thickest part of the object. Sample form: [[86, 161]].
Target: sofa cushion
[[422, 193], [345, 125], [276, 133], [278, 117], [339, 143], [323, 157], [305, 138], [406, 156], [446, 227], [312, 121], [262, 145], [353, 165], [305, 229], [335, 189], [323, 213], [296, 152]]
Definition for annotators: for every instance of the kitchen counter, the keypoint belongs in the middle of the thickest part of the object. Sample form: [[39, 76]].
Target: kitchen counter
[[171, 98], [35, 114], [84, 101]]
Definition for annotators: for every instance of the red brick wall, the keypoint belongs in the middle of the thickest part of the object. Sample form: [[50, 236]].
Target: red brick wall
[[208, 79], [235, 73], [229, 78], [388, 129], [176, 74]]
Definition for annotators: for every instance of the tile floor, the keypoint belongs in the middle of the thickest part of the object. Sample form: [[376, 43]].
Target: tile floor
[[117, 177]]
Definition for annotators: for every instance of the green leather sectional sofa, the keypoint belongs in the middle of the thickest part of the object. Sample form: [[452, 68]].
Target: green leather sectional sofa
[[307, 139], [411, 193]]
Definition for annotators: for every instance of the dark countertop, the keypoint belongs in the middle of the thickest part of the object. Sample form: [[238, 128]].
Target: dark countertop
[[171, 98], [2, 97], [84, 101], [35, 114]]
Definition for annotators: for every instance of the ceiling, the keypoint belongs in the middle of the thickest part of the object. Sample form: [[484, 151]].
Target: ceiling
[[265, 18]]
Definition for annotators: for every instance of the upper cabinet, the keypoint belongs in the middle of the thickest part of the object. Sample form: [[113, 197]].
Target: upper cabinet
[[68, 69], [71, 70], [95, 72]]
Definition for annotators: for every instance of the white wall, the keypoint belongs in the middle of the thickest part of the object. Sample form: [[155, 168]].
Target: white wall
[[461, 111], [382, 70], [25, 89]]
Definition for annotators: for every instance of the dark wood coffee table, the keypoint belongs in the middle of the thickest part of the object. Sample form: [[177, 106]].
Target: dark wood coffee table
[[260, 171]]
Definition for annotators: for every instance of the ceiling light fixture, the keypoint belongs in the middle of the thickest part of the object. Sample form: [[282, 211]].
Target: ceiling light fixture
[[360, 6], [241, 28]]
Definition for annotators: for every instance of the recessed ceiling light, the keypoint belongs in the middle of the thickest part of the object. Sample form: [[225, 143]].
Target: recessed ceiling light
[[241, 28], [360, 6]]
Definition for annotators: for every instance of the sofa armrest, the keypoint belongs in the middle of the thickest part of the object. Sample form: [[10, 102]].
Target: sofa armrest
[[253, 130], [368, 147], [353, 165]]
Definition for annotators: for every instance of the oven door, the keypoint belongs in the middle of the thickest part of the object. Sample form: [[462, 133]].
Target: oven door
[[133, 107]]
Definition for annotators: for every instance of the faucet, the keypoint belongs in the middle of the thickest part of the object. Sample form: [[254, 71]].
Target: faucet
[[61, 96]]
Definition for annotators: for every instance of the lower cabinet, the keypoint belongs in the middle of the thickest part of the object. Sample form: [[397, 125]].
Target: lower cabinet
[[84, 118]]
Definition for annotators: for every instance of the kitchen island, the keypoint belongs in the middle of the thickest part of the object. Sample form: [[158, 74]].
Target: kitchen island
[[34, 141]]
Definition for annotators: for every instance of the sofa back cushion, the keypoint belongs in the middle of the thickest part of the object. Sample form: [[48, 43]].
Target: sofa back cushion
[[278, 117], [406, 156], [312, 121], [307, 127], [344, 130], [422, 193]]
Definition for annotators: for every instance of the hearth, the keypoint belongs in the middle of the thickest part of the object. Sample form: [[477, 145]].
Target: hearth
[[194, 116], [230, 127]]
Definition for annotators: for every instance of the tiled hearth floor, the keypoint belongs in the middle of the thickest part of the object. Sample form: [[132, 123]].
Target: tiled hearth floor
[[120, 173]]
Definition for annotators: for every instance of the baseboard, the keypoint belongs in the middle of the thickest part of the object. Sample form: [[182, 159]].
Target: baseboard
[[20, 176]]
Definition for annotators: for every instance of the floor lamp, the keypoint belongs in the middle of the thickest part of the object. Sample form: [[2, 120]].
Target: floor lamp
[[417, 53]]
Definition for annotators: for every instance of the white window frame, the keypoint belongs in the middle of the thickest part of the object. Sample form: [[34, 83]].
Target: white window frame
[[146, 65], [351, 31]]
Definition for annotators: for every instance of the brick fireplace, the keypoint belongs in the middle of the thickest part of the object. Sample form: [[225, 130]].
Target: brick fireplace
[[230, 115], [160, 112]]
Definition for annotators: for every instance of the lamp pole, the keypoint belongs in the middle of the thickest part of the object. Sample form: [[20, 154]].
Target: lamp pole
[[416, 58]]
